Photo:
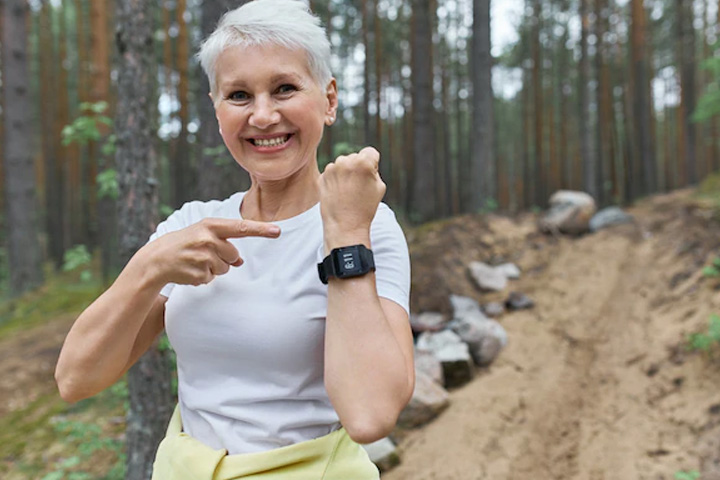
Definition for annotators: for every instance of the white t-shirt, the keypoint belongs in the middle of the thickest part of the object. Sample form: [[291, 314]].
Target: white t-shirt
[[250, 343]]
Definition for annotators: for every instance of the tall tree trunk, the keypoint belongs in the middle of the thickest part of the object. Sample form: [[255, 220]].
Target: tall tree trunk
[[686, 42], [641, 96], [218, 174], [589, 160], [48, 95], [106, 211], [183, 190], [366, 72], [482, 166], [540, 193], [24, 256], [423, 199], [604, 105], [149, 378]]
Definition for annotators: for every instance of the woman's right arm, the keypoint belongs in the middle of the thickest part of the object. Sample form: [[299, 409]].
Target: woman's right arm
[[112, 333], [118, 327]]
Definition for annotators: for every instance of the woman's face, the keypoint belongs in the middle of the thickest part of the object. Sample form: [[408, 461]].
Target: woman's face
[[270, 109]]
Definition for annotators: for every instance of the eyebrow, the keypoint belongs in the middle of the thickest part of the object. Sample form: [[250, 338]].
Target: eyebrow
[[277, 78]]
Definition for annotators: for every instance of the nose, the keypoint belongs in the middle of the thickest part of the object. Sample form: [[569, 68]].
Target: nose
[[264, 113]]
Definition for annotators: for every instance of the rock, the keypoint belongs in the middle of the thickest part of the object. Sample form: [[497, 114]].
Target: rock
[[518, 301], [428, 322], [462, 305], [429, 365], [570, 212], [607, 217], [510, 270], [487, 277], [453, 354], [484, 337], [383, 453], [493, 309], [428, 400]]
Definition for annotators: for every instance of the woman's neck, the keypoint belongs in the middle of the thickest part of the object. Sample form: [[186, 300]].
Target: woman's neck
[[269, 201]]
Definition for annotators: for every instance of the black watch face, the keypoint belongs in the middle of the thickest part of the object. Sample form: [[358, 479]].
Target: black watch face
[[348, 262]]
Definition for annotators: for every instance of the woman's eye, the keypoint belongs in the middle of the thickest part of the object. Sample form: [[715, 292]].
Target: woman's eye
[[287, 88], [238, 96]]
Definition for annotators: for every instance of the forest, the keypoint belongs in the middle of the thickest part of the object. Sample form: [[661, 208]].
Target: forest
[[475, 106]]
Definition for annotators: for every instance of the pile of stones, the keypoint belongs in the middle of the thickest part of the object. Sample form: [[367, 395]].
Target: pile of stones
[[449, 350]]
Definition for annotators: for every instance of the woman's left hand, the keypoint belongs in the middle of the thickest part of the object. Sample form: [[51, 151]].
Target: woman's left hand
[[350, 191]]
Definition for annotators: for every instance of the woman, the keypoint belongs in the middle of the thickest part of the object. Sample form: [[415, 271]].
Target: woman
[[279, 375]]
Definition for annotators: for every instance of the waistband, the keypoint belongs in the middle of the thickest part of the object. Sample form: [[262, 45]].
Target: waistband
[[331, 457]]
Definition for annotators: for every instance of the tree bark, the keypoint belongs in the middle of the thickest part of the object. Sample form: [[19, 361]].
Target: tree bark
[[423, 199], [24, 255], [182, 181], [148, 379], [641, 97], [483, 169], [686, 42], [589, 160]]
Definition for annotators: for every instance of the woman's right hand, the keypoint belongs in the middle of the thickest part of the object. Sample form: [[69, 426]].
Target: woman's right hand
[[197, 254]]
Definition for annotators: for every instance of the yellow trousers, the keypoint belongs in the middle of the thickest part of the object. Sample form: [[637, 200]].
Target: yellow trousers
[[332, 457]]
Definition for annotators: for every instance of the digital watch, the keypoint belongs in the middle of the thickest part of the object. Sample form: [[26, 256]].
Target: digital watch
[[346, 262]]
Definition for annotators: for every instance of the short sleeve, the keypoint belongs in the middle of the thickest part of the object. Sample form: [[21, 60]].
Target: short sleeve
[[392, 259]]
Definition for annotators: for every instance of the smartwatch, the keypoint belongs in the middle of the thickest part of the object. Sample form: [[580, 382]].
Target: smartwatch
[[346, 262]]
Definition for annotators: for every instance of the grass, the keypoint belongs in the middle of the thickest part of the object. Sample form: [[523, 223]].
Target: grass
[[62, 294]]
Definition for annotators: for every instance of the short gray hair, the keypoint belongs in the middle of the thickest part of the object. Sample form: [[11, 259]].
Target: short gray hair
[[287, 23]]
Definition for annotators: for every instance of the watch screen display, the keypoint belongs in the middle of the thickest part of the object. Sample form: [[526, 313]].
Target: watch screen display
[[348, 261]]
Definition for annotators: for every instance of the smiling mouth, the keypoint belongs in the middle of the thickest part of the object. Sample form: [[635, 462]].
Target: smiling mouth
[[270, 142]]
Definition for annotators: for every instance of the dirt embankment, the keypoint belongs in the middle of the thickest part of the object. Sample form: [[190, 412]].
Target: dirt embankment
[[595, 383]]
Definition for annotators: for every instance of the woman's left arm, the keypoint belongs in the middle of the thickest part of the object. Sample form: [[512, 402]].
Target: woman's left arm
[[369, 368]]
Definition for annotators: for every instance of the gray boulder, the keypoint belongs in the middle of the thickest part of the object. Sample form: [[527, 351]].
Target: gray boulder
[[484, 337], [570, 212], [462, 305], [428, 400], [383, 453], [428, 322], [454, 355], [487, 277], [493, 309], [427, 364], [510, 270], [609, 216], [519, 301]]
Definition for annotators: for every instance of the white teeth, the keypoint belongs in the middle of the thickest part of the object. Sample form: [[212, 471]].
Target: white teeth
[[271, 142]]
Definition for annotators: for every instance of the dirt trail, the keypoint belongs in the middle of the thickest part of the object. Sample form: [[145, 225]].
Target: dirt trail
[[594, 384]]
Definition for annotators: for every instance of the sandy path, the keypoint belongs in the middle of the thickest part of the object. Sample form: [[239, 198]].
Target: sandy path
[[589, 387]]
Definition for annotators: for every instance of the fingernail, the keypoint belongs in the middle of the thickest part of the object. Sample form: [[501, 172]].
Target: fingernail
[[275, 230]]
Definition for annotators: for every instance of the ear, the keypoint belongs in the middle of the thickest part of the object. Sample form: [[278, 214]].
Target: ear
[[331, 94]]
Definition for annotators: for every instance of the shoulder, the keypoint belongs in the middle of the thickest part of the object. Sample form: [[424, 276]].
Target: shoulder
[[195, 211]]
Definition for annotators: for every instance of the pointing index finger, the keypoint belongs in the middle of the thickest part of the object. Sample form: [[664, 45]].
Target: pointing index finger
[[225, 228]]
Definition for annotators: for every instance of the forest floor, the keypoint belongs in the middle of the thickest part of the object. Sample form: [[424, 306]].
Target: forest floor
[[596, 383]]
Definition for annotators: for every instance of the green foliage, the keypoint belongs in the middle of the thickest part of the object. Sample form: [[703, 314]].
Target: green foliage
[[78, 256], [86, 127], [89, 439], [704, 342], [491, 205], [219, 155], [61, 295], [108, 184], [165, 211], [709, 103], [713, 270], [689, 475]]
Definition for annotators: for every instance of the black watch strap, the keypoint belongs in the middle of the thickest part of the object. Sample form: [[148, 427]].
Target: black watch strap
[[346, 262]]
